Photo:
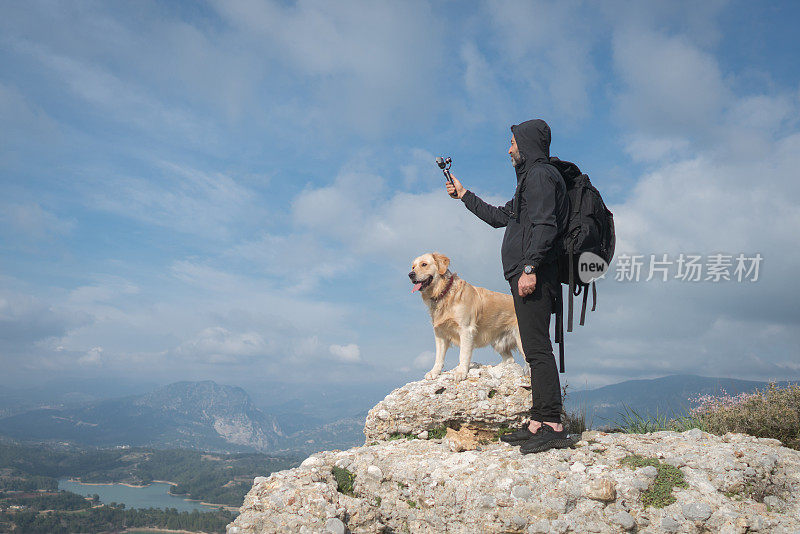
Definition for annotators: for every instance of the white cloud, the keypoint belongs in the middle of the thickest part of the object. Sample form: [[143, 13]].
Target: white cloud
[[308, 346], [424, 360], [649, 149], [417, 168], [22, 120], [339, 210], [346, 353], [355, 211], [555, 64], [185, 199], [105, 289], [92, 357], [218, 345], [26, 319], [488, 97], [302, 262], [670, 87], [364, 63], [31, 221], [122, 100]]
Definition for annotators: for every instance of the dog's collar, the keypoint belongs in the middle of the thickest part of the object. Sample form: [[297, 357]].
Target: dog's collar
[[446, 288]]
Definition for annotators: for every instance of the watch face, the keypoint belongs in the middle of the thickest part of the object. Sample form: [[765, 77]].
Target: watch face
[[528, 269]]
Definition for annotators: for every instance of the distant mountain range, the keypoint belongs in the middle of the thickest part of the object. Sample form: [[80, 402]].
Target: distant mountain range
[[213, 417], [66, 392], [191, 415]]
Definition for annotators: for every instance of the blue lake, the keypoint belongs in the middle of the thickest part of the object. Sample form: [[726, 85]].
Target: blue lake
[[156, 495]]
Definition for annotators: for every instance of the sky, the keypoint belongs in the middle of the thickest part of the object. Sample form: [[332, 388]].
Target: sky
[[235, 190]]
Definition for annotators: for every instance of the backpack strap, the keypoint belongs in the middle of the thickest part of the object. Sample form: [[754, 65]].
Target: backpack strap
[[571, 288], [560, 327], [583, 306], [594, 296]]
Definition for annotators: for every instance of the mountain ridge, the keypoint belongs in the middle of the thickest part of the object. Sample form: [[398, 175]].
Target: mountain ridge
[[194, 415], [221, 418]]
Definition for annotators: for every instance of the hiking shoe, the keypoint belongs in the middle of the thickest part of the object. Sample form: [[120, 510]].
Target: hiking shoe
[[546, 438], [520, 436]]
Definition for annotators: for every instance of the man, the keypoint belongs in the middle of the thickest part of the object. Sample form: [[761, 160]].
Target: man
[[534, 219]]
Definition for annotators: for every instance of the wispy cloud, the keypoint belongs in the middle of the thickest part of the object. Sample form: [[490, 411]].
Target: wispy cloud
[[181, 199], [347, 353], [30, 221]]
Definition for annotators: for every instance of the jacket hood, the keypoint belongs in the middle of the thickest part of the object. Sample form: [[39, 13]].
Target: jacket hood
[[533, 142]]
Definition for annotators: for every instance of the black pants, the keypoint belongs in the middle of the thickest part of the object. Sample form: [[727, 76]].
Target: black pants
[[533, 315]]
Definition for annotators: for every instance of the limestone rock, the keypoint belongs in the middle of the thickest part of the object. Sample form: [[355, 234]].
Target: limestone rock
[[602, 489], [375, 472], [623, 519], [669, 524], [334, 525], [696, 511], [490, 397], [734, 483], [461, 440], [428, 487]]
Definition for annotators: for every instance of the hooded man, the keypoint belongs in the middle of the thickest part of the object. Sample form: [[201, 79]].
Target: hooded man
[[534, 219]]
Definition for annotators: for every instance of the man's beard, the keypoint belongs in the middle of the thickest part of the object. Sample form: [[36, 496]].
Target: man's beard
[[517, 159]]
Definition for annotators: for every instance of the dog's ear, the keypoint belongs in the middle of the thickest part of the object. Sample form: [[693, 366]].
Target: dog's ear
[[442, 262]]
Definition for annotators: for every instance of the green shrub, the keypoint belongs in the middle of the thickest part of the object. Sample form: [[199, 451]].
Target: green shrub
[[503, 430], [438, 432], [344, 480], [398, 435], [659, 494], [635, 460]]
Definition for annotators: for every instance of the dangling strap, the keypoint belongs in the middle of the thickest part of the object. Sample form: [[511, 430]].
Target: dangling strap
[[560, 328], [583, 306], [594, 296], [571, 289], [559, 311]]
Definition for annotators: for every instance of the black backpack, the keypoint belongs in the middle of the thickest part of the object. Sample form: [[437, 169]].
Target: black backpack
[[590, 229]]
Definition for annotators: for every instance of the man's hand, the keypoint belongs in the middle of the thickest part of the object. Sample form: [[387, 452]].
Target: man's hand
[[455, 187], [526, 284]]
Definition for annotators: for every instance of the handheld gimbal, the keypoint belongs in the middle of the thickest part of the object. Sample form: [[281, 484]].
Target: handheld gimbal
[[444, 164]]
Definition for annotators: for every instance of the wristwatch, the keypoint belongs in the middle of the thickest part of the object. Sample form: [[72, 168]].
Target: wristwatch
[[528, 269]]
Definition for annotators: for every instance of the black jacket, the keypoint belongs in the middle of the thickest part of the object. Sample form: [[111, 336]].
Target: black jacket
[[539, 211]]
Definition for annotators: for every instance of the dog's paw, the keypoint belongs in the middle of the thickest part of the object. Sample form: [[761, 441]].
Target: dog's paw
[[432, 375], [459, 374]]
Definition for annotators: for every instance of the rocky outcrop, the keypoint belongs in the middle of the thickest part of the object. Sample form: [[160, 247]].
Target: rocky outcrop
[[490, 397], [608, 482]]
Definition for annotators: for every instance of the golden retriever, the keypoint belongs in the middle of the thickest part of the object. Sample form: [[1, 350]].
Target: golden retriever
[[463, 315]]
